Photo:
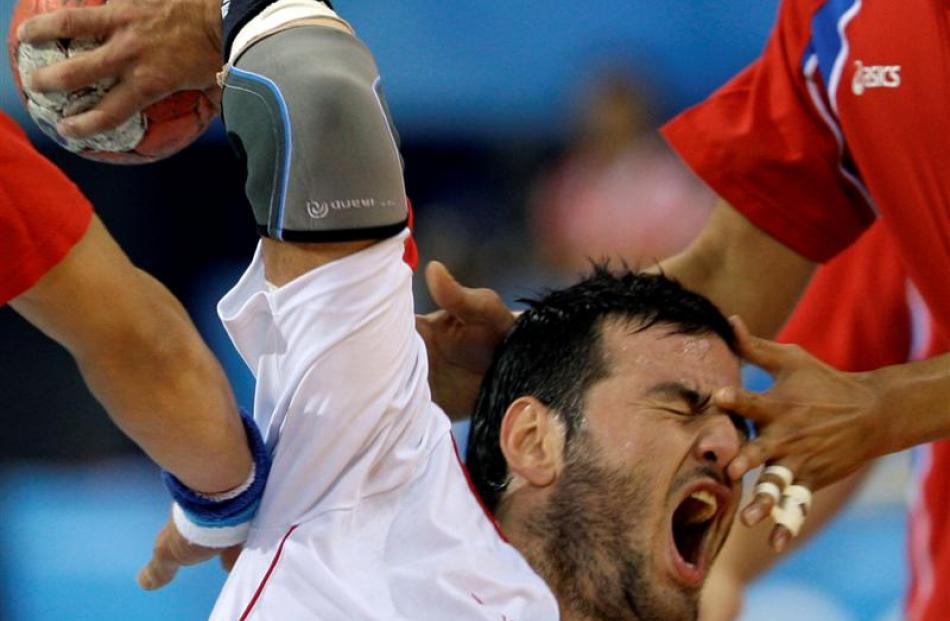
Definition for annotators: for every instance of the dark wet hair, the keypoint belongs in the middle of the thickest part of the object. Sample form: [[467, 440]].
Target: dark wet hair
[[554, 352]]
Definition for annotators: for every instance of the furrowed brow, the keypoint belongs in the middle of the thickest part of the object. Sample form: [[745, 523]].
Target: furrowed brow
[[677, 391]]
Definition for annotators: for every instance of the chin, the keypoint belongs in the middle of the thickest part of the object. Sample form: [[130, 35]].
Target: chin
[[655, 597]]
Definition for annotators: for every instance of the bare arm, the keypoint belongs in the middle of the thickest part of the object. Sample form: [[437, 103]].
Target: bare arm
[[284, 261], [142, 358], [742, 270]]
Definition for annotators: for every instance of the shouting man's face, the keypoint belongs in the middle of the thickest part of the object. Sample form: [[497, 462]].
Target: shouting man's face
[[642, 504]]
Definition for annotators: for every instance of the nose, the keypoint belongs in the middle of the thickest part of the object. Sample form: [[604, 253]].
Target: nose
[[718, 441]]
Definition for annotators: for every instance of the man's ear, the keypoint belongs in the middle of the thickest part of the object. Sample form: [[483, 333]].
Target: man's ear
[[532, 441]]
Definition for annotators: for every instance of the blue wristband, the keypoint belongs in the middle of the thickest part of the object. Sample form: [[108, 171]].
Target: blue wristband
[[205, 512]]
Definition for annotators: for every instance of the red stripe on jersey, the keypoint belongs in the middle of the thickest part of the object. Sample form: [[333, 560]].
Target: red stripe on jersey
[[411, 254], [478, 497], [270, 570]]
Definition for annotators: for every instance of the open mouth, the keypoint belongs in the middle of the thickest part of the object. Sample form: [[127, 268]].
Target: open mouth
[[693, 520]]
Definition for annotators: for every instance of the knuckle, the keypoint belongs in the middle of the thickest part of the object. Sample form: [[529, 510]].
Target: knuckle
[[28, 29], [105, 120], [115, 55], [67, 23], [160, 553], [756, 452], [67, 76], [148, 86], [745, 403], [120, 15]]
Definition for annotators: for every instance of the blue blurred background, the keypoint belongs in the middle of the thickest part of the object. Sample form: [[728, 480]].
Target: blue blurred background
[[516, 119]]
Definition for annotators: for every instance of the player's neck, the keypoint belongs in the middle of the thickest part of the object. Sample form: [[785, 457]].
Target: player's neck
[[537, 538]]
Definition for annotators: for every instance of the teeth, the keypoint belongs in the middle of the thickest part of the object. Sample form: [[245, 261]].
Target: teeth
[[708, 508]]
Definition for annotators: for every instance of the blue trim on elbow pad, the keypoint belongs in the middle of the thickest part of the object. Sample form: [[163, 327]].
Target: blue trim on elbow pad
[[206, 511], [275, 227]]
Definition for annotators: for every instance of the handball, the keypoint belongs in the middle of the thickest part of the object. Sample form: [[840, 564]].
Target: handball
[[160, 130]]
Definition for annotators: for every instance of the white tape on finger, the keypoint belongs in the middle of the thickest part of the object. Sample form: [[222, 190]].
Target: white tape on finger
[[768, 489], [791, 516], [799, 494], [780, 472], [792, 508]]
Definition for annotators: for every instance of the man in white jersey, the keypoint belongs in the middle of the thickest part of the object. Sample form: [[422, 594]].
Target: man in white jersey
[[594, 439]]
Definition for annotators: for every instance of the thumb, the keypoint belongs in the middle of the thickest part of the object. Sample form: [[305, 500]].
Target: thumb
[[444, 289], [482, 306], [767, 354]]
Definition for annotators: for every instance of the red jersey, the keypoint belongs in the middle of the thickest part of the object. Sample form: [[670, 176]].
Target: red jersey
[[860, 311], [841, 121], [42, 214]]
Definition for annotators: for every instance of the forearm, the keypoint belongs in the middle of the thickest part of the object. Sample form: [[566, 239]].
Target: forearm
[[743, 271], [913, 401], [162, 386], [144, 360]]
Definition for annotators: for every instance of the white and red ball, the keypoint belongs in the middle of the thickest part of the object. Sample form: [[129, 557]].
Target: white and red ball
[[161, 130]]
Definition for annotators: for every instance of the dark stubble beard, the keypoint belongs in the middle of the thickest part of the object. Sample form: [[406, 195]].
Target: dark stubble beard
[[594, 536]]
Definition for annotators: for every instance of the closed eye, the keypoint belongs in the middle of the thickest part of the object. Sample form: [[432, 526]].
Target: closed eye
[[687, 413], [688, 401]]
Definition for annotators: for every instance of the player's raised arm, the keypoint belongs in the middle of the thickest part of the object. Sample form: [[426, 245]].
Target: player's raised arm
[[303, 108]]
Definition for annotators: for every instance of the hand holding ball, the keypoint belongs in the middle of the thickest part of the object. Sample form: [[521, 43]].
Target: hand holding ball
[[160, 130]]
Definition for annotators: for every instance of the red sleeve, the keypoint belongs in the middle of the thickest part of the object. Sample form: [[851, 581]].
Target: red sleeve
[[42, 214], [762, 143], [854, 314]]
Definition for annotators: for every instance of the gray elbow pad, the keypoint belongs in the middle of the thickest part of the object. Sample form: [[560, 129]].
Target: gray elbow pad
[[304, 110]]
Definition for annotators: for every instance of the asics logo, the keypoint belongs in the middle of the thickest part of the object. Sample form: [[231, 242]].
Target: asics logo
[[874, 76], [225, 7]]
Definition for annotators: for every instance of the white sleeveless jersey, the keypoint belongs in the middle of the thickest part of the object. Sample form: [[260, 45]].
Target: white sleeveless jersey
[[368, 513]]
